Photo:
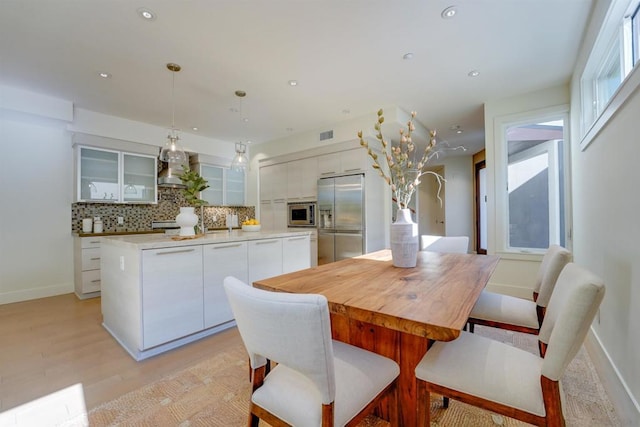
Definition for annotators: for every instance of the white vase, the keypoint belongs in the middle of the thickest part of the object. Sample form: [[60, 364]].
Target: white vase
[[404, 240], [187, 219]]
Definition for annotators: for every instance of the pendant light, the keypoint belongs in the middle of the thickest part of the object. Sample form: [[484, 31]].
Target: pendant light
[[240, 162], [172, 152]]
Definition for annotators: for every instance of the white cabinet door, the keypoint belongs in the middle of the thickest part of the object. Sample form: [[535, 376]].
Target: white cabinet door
[[279, 207], [273, 182], [214, 176], [354, 160], [139, 178], [172, 294], [221, 260], [302, 178], [329, 164], [295, 253], [265, 259], [234, 187], [266, 215], [98, 175]]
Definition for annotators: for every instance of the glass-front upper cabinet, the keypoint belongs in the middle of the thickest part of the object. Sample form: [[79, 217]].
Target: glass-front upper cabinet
[[98, 175], [235, 187], [214, 176], [226, 187], [113, 176], [139, 178]]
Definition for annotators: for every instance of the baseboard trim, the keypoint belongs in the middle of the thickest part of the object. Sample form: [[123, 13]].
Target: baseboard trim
[[35, 293], [627, 408]]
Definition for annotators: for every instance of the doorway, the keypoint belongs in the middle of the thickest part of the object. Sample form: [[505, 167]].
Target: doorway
[[481, 207]]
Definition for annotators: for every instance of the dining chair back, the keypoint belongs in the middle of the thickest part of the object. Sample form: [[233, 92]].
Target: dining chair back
[[522, 386], [313, 371], [445, 244], [519, 314]]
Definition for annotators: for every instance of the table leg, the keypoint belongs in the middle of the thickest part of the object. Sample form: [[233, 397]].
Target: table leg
[[406, 349]]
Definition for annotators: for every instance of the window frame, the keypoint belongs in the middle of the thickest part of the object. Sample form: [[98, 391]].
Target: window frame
[[501, 124], [620, 30]]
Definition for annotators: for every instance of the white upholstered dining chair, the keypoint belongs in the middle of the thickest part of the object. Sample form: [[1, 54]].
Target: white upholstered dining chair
[[317, 381], [511, 381], [519, 314], [445, 244]]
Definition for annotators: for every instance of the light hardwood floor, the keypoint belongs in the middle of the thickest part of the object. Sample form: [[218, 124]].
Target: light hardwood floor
[[51, 343]]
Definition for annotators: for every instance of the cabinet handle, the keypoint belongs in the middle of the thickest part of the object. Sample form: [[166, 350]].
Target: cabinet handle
[[95, 241], [227, 246], [352, 170], [95, 281], [297, 238], [179, 251], [279, 200], [328, 173], [266, 242], [95, 259]]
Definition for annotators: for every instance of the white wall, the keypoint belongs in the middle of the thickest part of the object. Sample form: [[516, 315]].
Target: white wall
[[36, 247], [606, 235], [515, 274], [458, 171]]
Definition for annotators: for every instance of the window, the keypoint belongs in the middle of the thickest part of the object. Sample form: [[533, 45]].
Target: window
[[534, 184], [612, 59], [531, 213]]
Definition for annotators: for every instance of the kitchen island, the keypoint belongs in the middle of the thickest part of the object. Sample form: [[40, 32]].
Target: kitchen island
[[159, 293]]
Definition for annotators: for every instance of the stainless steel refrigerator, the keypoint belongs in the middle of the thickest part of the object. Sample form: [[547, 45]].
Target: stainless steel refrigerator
[[340, 216]]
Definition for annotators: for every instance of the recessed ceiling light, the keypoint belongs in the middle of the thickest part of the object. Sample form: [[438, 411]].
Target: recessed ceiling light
[[289, 129], [245, 119], [457, 128], [195, 128], [105, 75], [449, 12], [249, 142], [407, 56], [293, 83], [346, 111], [473, 73], [146, 14]]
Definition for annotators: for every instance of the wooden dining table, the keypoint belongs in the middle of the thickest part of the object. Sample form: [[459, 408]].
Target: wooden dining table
[[395, 312]]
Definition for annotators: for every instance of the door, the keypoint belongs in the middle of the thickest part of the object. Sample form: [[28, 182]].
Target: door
[[347, 245], [481, 207], [349, 201], [221, 260], [325, 203], [431, 210], [326, 241]]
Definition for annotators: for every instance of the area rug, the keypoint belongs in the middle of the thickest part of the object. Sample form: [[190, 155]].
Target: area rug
[[215, 392]]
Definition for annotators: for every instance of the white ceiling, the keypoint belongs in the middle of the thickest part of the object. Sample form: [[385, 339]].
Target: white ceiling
[[346, 56]]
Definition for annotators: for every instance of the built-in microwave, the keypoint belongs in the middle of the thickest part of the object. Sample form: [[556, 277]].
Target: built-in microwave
[[301, 214]]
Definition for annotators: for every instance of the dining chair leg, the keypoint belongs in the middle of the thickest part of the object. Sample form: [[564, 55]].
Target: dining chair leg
[[445, 402]]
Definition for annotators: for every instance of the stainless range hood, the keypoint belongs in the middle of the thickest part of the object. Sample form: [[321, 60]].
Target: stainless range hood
[[169, 173]]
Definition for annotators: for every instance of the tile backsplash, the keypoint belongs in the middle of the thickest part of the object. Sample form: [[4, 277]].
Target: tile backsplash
[[139, 217]]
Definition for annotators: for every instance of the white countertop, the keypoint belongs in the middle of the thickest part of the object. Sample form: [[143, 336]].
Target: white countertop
[[155, 241]]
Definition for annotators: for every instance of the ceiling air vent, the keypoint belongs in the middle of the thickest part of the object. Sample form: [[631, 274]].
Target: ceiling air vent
[[326, 135]]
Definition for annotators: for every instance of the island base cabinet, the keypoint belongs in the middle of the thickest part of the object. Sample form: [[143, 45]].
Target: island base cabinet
[[220, 261], [172, 294], [295, 253], [265, 259]]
